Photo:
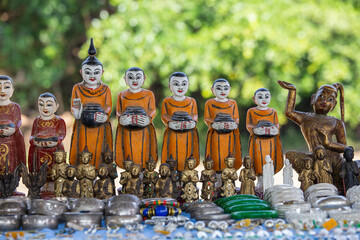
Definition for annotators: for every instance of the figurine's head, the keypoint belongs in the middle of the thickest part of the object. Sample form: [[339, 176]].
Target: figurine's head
[[320, 152], [70, 171], [208, 163], [247, 162], [164, 170], [59, 156], [135, 78], [268, 159], [92, 69], [85, 156], [6, 88], [103, 171], [349, 153], [191, 163], [287, 162], [230, 161], [151, 164], [107, 155], [47, 105], [262, 97], [172, 162], [221, 89], [135, 170], [179, 84], [128, 162], [308, 163]]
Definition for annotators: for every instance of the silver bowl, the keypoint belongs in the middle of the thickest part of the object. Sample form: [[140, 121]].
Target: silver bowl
[[87, 205], [206, 211], [124, 198], [34, 222], [122, 209], [196, 205], [121, 221], [10, 222], [84, 219], [47, 207], [12, 206]]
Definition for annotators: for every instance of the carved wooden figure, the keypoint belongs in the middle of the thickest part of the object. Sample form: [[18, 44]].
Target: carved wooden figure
[[103, 187], [228, 177], [86, 173], [34, 180], [164, 186], [91, 106], [9, 181], [175, 176], [208, 178], [189, 178], [108, 159], [150, 179], [126, 175], [322, 166], [307, 176], [135, 185], [71, 186], [247, 177], [349, 169], [58, 172]]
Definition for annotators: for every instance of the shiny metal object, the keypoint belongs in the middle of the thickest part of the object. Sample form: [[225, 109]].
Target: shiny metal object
[[10, 222], [213, 217], [87, 205], [47, 207], [88, 219], [206, 211], [121, 221], [12, 206], [122, 209], [332, 202], [124, 198], [34, 222], [196, 205]]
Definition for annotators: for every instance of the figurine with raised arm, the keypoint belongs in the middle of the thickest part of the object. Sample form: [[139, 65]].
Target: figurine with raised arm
[[189, 178], [288, 173], [247, 177], [126, 175], [103, 187], [222, 119], [86, 173], [91, 106], [71, 187], [263, 126], [228, 177], [349, 169], [180, 116], [163, 186], [175, 176], [58, 171], [322, 166], [135, 185], [208, 179], [12, 146], [150, 179], [268, 173], [306, 176], [108, 159], [318, 128], [135, 109]]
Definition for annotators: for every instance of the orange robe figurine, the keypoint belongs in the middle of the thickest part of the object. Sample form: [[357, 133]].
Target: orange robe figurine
[[263, 126], [179, 114], [222, 118], [91, 106], [135, 109]]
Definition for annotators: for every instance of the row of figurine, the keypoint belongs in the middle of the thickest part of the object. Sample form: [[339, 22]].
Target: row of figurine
[[91, 106]]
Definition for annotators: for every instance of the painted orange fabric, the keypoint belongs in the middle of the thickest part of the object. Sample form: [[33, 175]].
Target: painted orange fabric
[[140, 143], [181, 145], [259, 146], [219, 145], [96, 138]]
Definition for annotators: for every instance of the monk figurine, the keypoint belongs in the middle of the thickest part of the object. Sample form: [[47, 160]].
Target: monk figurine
[[150, 179], [268, 173], [318, 128], [263, 126], [307, 176], [222, 119], [108, 159], [180, 116], [163, 186], [12, 146], [126, 175], [175, 176], [135, 109], [349, 169], [208, 178], [135, 185], [228, 177], [86, 173], [58, 171], [189, 178], [71, 187], [322, 166], [247, 177], [288, 173], [91, 106], [48, 132], [103, 187]]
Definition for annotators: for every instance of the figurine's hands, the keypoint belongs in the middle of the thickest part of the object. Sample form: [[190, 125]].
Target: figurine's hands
[[141, 120], [77, 108], [100, 117], [45, 144], [266, 131], [8, 131], [224, 125], [286, 85], [259, 131], [274, 131], [177, 125], [125, 120]]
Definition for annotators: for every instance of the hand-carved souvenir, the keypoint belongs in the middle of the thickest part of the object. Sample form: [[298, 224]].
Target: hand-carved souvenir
[[189, 178], [86, 173], [222, 118], [134, 185], [247, 177], [288, 173], [175, 176], [9, 181], [34, 180], [91, 106], [268, 173], [307, 176], [349, 169], [103, 187], [108, 159], [150, 179], [71, 186], [135, 109], [322, 166], [208, 178], [58, 171], [164, 186], [126, 175], [228, 177]]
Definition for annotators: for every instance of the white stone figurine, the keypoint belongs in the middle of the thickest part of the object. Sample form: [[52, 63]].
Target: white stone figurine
[[268, 173], [288, 173]]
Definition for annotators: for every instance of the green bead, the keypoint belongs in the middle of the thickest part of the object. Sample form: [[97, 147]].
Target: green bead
[[254, 214], [247, 207]]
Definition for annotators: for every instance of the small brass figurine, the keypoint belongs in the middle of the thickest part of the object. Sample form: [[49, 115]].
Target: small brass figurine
[[108, 159], [150, 179], [58, 171], [34, 180], [208, 178], [349, 169], [189, 178], [322, 166], [71, 186], [229, 176], [134, 185], [175, 176], [307, 176], [164, 186], [103, 187], [247, 177], [126, 175], [86, 173], [9, 181]]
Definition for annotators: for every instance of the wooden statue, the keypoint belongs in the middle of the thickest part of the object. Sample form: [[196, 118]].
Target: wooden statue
[[71, 187], [48, 132], [222, 119], [288, 173], [322, 166], [164, 186], [108, 159], [349, 169], [58, 171], [135, 109], [86, 173], [126, 175], [318, 128], [307, 176], [189, 178], [103, 187], [12, 146], [180, 116], [175, 176], [34, 180], [263, 126], [135, 185], [91, 106], [150, 179], [208, 179], [228, 177], [247, 177]]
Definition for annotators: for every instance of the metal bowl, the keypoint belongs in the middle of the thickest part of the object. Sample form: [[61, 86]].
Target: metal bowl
[[34, 222], [87, 205], [12, 206], [10, 222], [121, 221], [84, 219], [206, 211], [47, 207], [122, 209], [216, 217], [196, 205], [124, 198]]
